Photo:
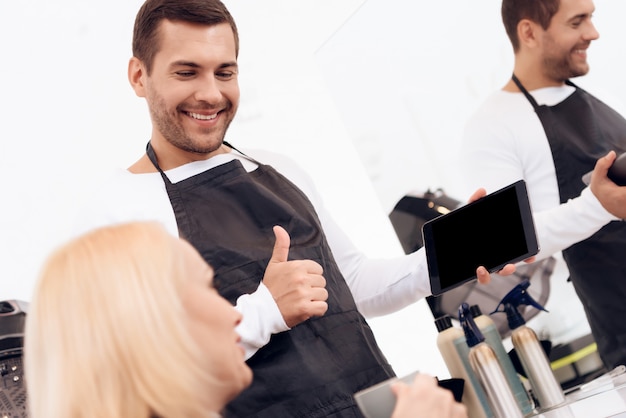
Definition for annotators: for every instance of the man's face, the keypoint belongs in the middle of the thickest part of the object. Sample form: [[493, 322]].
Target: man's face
[[192, 92], [566, 40]]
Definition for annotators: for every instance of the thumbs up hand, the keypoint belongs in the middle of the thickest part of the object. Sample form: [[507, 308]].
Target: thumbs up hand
[[298, 286]]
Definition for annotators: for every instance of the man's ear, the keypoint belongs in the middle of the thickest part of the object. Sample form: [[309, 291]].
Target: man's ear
[[528, 33], [137, 76]]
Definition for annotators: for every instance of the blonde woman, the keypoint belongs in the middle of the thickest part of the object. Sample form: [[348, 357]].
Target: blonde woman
[[125, 322]]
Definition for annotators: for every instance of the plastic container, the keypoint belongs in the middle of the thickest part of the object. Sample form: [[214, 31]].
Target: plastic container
[[449, 337]]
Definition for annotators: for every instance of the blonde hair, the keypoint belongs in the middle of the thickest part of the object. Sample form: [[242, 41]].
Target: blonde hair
[[106, 333]]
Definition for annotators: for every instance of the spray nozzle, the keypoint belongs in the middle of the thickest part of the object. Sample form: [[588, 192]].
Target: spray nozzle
[[473, 336], [519, 296], [511, 301]]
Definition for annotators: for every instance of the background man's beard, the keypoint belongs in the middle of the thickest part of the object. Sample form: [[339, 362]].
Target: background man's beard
[[563, 70]]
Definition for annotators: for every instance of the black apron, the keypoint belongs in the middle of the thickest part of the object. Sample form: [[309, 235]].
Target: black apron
[[313, 370], [580, 130]]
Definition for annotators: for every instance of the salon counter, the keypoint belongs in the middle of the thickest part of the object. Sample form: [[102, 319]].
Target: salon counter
[[602, 402]]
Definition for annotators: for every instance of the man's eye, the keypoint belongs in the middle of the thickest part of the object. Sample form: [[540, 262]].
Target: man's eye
[[225, 75], [185, 73]]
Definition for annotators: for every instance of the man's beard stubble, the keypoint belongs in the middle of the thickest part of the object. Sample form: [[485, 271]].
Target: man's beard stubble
[[172, 130]]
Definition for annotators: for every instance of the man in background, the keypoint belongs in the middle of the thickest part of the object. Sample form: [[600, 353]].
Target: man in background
[[544, 129]]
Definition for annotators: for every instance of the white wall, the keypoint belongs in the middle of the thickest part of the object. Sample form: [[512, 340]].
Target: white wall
[[68, 115]]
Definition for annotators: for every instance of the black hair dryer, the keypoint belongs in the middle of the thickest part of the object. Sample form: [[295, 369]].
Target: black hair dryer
[[12, 387]]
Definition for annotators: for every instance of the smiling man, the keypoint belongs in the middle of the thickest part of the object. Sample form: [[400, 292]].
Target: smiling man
[[544, 129], [302, 286]]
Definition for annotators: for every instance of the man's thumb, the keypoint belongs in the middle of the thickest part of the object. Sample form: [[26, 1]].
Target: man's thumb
[[605, 162], [281, 246]]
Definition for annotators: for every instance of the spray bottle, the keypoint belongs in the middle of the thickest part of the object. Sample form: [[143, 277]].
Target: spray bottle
[[534, 360], [492, 337], [485, 364], [474, 397]]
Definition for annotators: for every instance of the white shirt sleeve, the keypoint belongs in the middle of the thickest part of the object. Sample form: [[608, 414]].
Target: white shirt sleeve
[[261, 319], [566, 224]]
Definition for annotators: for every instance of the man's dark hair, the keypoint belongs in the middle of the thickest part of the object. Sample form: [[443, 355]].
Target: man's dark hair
[[146, 42], [538, 11]]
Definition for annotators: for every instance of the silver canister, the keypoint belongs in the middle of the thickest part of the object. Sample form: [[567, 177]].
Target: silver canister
[[486, 366], [535, 362]]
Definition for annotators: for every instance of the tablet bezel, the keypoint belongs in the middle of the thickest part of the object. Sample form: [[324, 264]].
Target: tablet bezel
[[436, 256]]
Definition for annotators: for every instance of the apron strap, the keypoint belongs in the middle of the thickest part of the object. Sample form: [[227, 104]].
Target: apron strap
[[153, 158], [530, 98], [183, 220], [228, 144], [519, 85]]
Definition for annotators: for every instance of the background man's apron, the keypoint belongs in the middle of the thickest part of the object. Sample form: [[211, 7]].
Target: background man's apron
[[313, 370], [580, 130]]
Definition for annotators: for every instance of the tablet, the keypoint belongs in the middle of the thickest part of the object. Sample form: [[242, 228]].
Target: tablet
[[492, 231]]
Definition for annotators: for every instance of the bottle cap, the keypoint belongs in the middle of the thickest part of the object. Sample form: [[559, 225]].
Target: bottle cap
[[443, 323], [513, 316], [475, 311]]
